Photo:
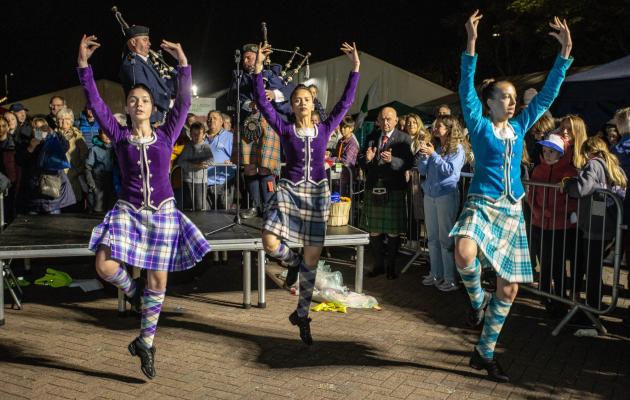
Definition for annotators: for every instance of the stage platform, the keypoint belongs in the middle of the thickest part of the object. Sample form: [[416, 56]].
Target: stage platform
[[68, 235]]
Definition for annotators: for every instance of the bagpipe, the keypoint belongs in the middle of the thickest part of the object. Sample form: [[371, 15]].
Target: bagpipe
[[155, 57], [253, 125]]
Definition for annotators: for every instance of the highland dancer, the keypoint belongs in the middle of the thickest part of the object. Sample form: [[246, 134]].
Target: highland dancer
[[144, 229], [298, 211], [491, 230]]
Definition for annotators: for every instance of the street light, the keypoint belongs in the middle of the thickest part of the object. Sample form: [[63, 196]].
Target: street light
[[194, 89]]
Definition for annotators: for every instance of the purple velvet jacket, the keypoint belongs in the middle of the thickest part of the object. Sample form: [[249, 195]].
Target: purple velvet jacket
[[144, 166], [305, 155]]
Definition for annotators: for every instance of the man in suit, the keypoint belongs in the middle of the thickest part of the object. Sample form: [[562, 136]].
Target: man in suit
[[387, 157], [138, 68], [260, 145]]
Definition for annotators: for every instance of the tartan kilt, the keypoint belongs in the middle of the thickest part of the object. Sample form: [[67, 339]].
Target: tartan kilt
[[299, 213], [499, 230], [389, 218], [264, 151], [162, 240]]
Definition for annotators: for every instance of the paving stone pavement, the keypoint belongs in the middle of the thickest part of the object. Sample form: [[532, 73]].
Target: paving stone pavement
[[66, 344]]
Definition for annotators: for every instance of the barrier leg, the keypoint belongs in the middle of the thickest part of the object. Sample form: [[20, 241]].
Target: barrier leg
[[262, 302], [565, 320], [413, 259], [1, 292], [247, 279], [358, 273]]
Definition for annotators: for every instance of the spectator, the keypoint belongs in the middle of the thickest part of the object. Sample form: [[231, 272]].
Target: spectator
[[612, 134], [601, 171], [220, 178], [227, 122], [441, 161], [346, 152], [194, 162], [318, 104], [402, 122], [418, 134], [13, 125], [442, 110], [8, 168], [573, 131], [552, 240], [538, 132], [23, 129], [88, 126], [317, 119], [99, 168], [387, 157], [41, 159], [56, 103], [77, 154]]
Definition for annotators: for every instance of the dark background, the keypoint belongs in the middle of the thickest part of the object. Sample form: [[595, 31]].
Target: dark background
[[40, 39]]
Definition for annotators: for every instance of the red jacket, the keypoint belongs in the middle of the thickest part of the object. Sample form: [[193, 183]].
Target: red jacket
[[550, 197]]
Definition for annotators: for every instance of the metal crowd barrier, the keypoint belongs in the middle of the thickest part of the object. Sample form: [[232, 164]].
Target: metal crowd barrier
[[568, 259]]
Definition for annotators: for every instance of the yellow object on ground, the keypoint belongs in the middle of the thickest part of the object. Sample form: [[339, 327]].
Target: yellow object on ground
[[330, 306]]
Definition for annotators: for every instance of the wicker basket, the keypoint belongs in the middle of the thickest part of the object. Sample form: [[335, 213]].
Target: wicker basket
[[339, 213]]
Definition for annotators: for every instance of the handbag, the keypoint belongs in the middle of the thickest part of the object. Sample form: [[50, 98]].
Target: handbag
[[50, 185]]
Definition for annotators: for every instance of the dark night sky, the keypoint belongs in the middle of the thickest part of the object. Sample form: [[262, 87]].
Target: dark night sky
[[45, 35], [41, 37]]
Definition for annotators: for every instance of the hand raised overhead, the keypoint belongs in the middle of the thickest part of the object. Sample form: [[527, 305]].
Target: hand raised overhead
[[563, 35], [87, 47], [352, 53]]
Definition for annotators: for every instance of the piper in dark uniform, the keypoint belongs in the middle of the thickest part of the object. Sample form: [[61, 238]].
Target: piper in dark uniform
[[260, 145], [138, 68]]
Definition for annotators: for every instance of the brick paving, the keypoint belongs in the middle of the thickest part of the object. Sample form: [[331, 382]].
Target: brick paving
[[66, 344]]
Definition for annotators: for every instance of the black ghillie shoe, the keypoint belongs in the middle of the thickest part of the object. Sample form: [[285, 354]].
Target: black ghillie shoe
[[304, 323], [135, 301], [147, 357], [495, 372], [475, 316], [292, 276]]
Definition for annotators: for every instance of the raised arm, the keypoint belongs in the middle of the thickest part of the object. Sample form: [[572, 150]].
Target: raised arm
[[543, 100], [471, 105], [102, 113], [260, 97], [176, 117], [341, 108]]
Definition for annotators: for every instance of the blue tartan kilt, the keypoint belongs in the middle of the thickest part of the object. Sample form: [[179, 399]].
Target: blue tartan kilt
[[498, 228], [162, 240], [299, 213]]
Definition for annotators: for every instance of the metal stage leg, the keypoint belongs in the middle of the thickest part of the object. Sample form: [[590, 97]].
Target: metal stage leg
[[413, 259], [1, 292], [122, 308], [358, 273], [247, 279], [262, 303]]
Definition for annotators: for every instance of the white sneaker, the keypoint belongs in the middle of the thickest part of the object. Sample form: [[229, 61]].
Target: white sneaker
[[429, 280], [447, 286]]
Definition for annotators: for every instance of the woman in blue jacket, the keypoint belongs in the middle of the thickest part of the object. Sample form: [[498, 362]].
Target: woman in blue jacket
[[441, 161], [491, 230]]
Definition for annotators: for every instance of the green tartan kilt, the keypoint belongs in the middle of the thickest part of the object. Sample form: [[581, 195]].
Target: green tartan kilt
[[388, 218]]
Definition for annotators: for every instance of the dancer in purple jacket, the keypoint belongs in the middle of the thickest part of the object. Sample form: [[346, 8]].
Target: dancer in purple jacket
[[144, 229], [298, 211]]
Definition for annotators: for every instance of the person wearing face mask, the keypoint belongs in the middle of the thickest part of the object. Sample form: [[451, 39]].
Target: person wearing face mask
[[137, 68], [43, 157], [490, 231], [298, 210], [144, 228], [260, 147], [387, 157], [99, 167]]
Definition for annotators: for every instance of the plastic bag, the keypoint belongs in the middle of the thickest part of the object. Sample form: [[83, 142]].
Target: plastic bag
[[329, 287]]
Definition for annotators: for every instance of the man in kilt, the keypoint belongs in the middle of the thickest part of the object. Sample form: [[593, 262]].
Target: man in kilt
[[298, 211], [260, 145], [387, 157], [490, 231]]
